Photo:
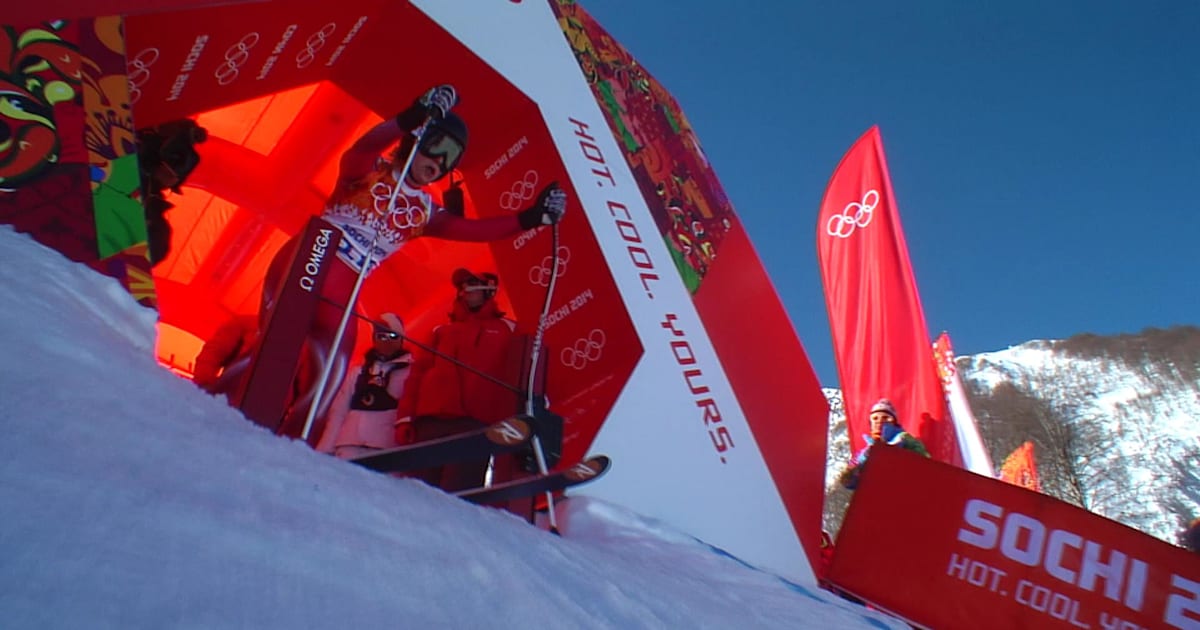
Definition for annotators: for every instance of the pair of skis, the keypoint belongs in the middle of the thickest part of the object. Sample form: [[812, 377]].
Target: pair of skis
[[502, 437]]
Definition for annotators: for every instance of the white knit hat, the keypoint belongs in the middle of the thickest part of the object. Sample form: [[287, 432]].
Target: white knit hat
[[393, 322], [885, 406]]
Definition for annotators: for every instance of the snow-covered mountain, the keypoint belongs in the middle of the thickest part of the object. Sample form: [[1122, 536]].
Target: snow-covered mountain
[[1115, 422]]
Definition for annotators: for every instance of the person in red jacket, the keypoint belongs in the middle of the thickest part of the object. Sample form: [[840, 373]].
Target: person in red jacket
[[443, 398], [378, 207]]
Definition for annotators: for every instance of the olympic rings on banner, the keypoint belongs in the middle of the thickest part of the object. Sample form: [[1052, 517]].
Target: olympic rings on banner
[[236, 56], [585, 350], [522, 190], [857, 214], [314, 44], [540, 274], [137, 72]]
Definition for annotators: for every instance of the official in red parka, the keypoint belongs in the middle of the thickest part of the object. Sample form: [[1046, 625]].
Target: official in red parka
[[443, 398]]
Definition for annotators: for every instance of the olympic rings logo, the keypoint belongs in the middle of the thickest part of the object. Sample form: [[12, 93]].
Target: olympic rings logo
[[408, 218], [314, 44], [521, 190], [857, 214], [402, 218], [585, 350], [236, 56], [540, 274], [381, 193], [137, 72]]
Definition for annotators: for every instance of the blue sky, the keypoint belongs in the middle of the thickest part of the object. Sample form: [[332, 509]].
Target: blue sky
[[1045, 155]]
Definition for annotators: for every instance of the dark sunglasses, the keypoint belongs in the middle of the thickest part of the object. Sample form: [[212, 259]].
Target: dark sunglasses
[[387, 336], [444, 148]]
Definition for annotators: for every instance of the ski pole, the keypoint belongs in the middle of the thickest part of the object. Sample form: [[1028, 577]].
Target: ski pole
[[534, 356], [439, 354], [322, 382]]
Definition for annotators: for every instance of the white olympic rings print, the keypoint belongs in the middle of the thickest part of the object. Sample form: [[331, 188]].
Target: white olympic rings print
[[540, 274], [314, 44], [521, 191], [857, 214], [585, 350], [137, 72], [236, 56], [410, 215]]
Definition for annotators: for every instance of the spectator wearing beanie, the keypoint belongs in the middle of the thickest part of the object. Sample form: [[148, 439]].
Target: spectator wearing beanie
[[886, 430]]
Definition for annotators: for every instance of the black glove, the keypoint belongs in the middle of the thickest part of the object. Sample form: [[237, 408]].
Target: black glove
[[455, 200], [548, 209], [440, 100], [435, 103]]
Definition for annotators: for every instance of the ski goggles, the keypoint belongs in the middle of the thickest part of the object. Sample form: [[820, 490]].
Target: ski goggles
[[444, 148]]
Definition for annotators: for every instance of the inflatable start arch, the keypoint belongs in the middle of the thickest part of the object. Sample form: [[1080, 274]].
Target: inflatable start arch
[[670, 350]]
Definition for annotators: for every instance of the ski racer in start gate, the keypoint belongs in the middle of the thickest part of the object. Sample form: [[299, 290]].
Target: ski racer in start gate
[[379, 206]]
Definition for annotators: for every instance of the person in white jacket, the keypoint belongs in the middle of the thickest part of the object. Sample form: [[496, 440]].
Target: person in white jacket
[[362, 417]]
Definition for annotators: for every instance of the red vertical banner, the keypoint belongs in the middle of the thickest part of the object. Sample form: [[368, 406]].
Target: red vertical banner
[[879, 335]]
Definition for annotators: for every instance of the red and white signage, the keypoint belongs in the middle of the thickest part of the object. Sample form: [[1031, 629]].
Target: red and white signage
[[974, 454], [972, 552], [699, 433], [879, 335]]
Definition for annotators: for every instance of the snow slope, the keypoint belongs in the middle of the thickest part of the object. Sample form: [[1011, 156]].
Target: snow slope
[[131, 499]]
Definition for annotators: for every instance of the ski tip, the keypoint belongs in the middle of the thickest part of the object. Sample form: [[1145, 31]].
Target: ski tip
[[588, 469], [510, 431]]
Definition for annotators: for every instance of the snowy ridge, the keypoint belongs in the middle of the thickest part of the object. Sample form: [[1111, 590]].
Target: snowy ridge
[[133, 499], [1136, 416], [1140, 418]]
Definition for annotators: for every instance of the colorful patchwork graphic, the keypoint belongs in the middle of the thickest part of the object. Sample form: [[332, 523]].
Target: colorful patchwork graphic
[[68, 161], [689, 206], [38, 71]]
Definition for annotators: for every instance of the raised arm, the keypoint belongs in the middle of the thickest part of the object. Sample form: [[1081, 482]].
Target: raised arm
[[359, 160], [455, 228]]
